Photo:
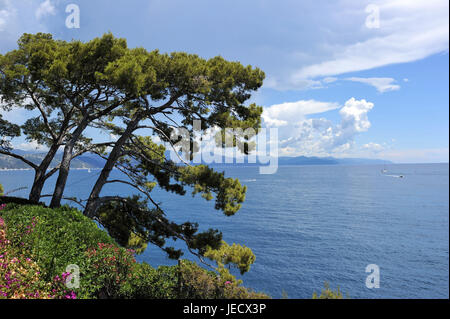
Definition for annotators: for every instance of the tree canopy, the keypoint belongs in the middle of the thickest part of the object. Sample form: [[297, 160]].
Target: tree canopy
[[135, 95]]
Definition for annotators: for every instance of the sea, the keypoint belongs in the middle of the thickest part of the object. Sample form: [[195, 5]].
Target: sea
[[373, 234]]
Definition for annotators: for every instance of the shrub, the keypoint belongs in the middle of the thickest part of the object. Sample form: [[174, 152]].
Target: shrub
[[51, 239], [108, 268], [197, 283], [328, 293], [20, 276], [147, 282], [55, 238]]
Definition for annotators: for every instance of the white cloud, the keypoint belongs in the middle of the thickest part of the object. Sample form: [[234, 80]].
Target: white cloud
[[46, 8], [381, 84], [6, 13], [18, 17], [374, 147], [18, 115], [409, 31], [31, 146], [329, 79], [320, 136], [274, 83], [282, 114]]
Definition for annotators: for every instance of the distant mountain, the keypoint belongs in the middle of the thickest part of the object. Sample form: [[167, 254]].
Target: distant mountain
[[84, 161], [93, 161], [305, 160]]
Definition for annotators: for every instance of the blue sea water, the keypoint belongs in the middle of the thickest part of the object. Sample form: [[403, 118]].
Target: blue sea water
[[313, 224]]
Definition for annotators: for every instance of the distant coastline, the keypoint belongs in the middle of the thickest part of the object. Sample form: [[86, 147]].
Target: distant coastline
[[91, 161], [30, 169]]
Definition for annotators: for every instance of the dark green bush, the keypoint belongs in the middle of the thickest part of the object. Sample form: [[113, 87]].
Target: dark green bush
[[147, 282], [17, 200]]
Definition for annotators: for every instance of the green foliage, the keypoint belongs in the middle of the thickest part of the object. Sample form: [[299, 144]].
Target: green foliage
[[204, 180], [101, 83], [328, 293], [59, 237], [7, 130], [197, 283], [107, 269], [56, 238], [1, 190], [123, 225], [240, 256], [20, 276], [129, 221], [147, 282]]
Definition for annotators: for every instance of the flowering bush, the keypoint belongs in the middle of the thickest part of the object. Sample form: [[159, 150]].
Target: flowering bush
[[108, 269], [20, 276], [40, 242], [54, 238]]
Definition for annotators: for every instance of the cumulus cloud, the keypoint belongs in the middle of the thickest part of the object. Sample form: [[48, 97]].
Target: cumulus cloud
[[381, 84], [354, 115], [31, 146], [45, 8], [319, 136]]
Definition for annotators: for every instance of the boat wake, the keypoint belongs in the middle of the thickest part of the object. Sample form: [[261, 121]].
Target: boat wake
[[397, 176]]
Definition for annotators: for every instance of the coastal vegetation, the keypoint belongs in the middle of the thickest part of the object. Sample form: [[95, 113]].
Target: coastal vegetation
[[328, 293], [37, 244], [141, 98]]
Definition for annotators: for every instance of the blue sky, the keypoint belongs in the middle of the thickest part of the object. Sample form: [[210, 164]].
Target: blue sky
[[343, 78]]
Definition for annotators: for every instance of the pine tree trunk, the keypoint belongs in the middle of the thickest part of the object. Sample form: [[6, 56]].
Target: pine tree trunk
[[116, 152], [39, 176], [65, 164]]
